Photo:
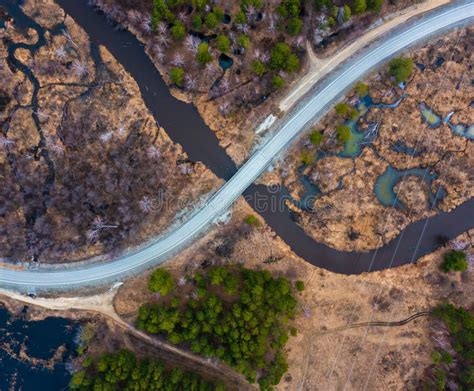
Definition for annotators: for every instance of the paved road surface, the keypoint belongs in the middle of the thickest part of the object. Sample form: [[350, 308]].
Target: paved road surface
[[343, 78]]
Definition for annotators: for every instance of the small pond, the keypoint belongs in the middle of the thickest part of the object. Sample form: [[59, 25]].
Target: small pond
[[439, 61], [432, 119], [225, 61], [463, 130], [385, 186], [203, 37]]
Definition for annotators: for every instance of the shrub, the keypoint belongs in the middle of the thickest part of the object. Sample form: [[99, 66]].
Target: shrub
[[258, 67], [436, 357], [252, 220], [299, 286], [293, 331], [256, 3], [289, 8], [353, 114], [161, 281], [331, 21], [292, 64], [178, 31], [315, 137], [203, 56], [160, 11], [342, 109], [279, 56], [455, 260], [223, 43], [362, 89], [359, 7], [199, 4], [343, 133], [307, 157], [401, 68], [177, 76], [278, 82]]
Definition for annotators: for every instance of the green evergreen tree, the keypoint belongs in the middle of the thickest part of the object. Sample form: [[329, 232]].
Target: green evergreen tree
[[347, 13], [375, 5], [343, 133], [203, 56], [401, 68], [278, 82], [454, 260], [223, 43], [258, 67], [211, 20], [359, 7], [178, 31], [161, 281]]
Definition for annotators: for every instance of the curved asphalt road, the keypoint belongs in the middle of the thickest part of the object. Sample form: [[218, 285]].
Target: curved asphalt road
[[342, 79]]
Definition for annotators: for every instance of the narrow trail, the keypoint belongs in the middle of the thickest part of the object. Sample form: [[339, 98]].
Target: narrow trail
[[397, 323]]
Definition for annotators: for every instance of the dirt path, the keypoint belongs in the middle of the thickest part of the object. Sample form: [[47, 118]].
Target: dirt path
[[103, 304], [318, 68], [376, 324]]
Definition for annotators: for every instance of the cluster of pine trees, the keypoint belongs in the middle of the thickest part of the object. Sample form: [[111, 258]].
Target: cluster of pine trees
[[123, 371], [238, 316]]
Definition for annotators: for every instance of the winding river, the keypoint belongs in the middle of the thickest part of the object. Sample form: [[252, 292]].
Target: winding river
[[185, 126]]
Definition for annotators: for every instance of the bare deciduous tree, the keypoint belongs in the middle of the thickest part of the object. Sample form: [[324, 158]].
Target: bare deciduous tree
[[79, 68], [147, 204], [97, 226], [178, 60], [153, 152]]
